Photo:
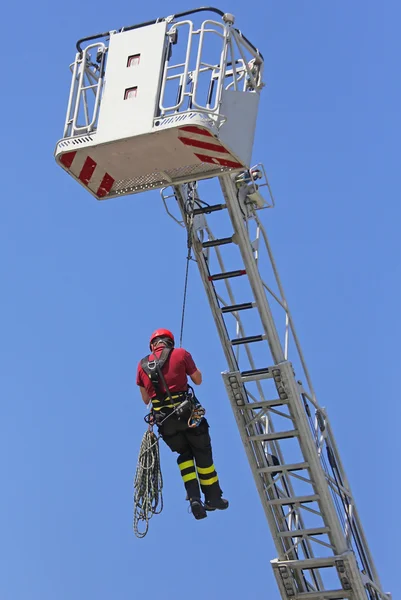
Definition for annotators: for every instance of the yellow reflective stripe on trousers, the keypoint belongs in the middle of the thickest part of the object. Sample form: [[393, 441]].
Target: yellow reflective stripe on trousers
[[166, 406], [205, 471], [188, 477], [186, 464], [208, 481]]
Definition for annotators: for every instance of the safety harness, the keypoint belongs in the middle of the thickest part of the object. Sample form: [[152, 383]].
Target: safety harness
[[185, 404], [153, 369]]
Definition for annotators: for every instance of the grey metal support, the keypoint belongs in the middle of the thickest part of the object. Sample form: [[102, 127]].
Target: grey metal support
[[322, 550], [229, 192], [256, 453]]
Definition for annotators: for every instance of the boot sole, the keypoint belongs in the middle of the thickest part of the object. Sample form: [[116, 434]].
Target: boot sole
[[212, 508], [198, 511]]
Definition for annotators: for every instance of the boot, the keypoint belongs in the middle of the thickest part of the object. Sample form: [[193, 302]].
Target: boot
[[197, 508], [216, 504]]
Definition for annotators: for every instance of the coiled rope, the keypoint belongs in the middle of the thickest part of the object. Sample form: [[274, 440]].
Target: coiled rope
[[148, 484]]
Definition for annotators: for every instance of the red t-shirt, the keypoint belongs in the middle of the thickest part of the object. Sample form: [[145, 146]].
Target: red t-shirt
[[175, 370]]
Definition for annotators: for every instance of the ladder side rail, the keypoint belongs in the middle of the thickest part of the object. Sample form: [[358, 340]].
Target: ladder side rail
[[287, 522], [282, 545], [204, 272], [305, 438], [285, 305], [198, 243], [289, 490], [275, 446], [354, 523], [341, 490], [235, 315], [365, 556], [298, 517], [256, 449], [243, 432], [368, 563], [236, 217]]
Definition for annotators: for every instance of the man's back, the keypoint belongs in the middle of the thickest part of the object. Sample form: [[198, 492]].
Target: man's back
[[177, 367]]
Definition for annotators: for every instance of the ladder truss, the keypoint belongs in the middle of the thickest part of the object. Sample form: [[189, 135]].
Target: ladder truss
[[322, 552]]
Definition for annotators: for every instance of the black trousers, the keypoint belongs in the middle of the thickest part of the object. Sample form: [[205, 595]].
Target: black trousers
[[195, 458]]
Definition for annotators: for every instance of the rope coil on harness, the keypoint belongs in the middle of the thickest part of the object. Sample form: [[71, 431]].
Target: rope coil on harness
[[148, 484]]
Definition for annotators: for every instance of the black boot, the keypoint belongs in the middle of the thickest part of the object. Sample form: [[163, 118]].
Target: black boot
[[216, 504], [197, 508]]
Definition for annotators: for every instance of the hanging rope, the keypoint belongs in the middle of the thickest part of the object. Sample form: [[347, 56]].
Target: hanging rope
[[148, 484], [189, 207]]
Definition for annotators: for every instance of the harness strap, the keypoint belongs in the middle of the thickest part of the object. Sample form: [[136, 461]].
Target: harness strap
[[156, 402], [153, 369]]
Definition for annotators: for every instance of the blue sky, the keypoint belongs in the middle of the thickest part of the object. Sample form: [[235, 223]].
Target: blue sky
[[78, 304]]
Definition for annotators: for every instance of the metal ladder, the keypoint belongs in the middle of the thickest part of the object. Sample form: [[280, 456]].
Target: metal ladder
[[322, 552]]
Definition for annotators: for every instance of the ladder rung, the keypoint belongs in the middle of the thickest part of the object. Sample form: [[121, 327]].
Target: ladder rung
[[247, 340], [227, 275], [327, 595], [256, 372], [208, 209], [235, 307], [308, 563], [217, 242], [276, 435], [264, 403], [302, 532], [293, 500], [289, 467]]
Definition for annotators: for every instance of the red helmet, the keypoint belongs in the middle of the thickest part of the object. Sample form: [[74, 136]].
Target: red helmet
[[161, 333]]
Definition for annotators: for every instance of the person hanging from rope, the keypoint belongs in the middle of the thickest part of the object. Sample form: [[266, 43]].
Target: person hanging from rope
[[162, 377]]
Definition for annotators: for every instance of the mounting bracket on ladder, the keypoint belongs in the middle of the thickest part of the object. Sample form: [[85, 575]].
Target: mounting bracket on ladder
[[248, 184]]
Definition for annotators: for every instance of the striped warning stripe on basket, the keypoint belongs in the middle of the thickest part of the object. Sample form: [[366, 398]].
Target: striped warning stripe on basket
[[87, 171], [206, 147]]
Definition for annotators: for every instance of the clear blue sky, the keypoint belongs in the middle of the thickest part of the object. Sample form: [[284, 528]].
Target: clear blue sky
[[78, 304]]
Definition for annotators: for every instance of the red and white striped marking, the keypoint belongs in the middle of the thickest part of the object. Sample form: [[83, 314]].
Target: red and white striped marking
[[88, 172], [207, 150]]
